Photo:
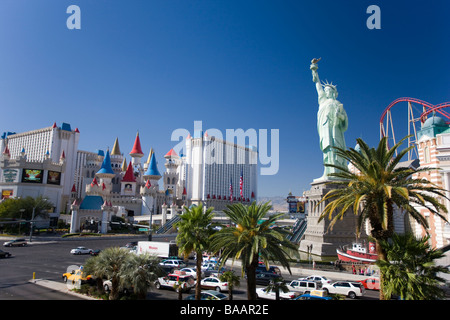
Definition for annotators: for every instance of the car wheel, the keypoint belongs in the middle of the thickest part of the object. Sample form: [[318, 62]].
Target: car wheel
[[65, 279], [106, 288], [218, 289], [352, 295], [158, 285]]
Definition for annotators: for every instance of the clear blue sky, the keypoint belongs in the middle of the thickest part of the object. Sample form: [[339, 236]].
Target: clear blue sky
[[155, 66]]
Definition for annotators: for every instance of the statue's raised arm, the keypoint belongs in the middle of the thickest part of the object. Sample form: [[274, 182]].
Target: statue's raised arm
[[315, 75]]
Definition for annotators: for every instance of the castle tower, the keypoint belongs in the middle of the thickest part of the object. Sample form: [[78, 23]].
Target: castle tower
[[128, 183], [136, 153], [105, 174], [150, 189], [171, 174], [117, 159]]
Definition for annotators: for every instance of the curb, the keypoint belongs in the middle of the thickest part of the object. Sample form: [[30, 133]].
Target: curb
[[61, 287]]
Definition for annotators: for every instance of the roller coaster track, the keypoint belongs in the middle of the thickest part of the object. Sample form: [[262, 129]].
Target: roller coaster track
[[387, 123]]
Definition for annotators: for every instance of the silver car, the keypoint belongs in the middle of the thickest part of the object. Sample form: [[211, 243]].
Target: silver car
[[15, 243]]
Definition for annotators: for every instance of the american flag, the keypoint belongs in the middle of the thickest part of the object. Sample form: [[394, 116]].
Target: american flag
[[241, 184], [231, 190]]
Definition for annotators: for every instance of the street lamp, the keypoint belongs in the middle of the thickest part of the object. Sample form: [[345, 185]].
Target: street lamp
[[32, 218], [151, 218]]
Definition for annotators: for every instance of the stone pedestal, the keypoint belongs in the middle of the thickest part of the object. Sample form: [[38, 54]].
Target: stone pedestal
[[319, 239]]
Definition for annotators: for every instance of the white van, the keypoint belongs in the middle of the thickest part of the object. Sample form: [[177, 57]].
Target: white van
[[304, 286]]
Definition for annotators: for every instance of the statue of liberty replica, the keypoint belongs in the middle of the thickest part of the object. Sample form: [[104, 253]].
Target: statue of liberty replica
[[318, 240], [332, 122]]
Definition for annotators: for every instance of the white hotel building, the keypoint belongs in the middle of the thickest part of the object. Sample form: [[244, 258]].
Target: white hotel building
[[37, 149], [211, 165]]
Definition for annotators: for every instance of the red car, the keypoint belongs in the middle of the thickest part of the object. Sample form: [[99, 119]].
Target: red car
[[371, 283]]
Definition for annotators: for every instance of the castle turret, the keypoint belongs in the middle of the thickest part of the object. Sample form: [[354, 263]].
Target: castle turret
[[171, 175]]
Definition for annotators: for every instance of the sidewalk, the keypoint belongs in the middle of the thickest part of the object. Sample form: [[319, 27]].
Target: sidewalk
[[59, 286]]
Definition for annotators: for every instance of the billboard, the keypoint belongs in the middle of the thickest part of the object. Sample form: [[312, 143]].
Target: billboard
[[32, 175], [54, 177]]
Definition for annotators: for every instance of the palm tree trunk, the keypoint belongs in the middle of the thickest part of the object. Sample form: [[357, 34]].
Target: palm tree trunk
[[381, 256], [198, 288], [251, 279]]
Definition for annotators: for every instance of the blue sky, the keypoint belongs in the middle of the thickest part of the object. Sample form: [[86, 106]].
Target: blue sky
[[156, 66]]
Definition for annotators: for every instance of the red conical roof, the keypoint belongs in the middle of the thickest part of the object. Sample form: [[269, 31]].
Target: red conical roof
[[171, 153], [129, 175], [137, 147]]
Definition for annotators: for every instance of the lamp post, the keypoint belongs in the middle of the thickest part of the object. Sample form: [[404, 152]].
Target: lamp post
[[151, 218], [32, 217], [31, 223]]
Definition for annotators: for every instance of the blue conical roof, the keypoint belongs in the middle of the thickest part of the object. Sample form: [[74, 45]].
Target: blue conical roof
[[106, 165], [152, 169]]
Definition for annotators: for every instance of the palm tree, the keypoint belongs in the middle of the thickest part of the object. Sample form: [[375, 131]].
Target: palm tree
[[409, 271], [110, 263], [277, 285], [253, 236], [139, 272], [376, 188], [233, 281], [90, 267], [194, 231]]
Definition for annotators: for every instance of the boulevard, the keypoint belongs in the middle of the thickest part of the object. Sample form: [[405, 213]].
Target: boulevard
[[48, 259]]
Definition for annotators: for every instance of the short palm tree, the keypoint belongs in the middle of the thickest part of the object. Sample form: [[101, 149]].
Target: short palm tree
[[409, 271], [254, 235], [90, 267], [110, 263], [232, 280], [276, 286], [376, 187], [194, 231], [140, 271]]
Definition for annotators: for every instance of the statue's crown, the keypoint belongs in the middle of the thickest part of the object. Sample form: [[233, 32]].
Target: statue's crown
[[329, 84]]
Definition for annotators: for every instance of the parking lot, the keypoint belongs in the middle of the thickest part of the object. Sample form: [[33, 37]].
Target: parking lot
[[47, 258]]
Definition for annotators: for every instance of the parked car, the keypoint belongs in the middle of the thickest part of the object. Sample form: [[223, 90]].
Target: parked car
[[95, 252], [214, 284], [268, 293], [208, 265], [272, 269], [81, 250], [265, 278], [173, 279], [173, 263], [4, 254], [351, 289], [15, 243], [76, 276], [314, 295], [214, 271], [321, 279], [208, 295], [303, 286], [190, 271], [107, 285], [371, 283]]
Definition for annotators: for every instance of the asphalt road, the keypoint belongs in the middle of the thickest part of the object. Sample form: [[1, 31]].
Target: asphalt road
[[49, 258]]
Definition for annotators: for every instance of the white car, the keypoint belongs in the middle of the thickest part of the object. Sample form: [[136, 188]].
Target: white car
[[81, 250], [208, 265], [266, 293], [173, 263], [214, 284], [350, 289], [190, 271], [323, 280]]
